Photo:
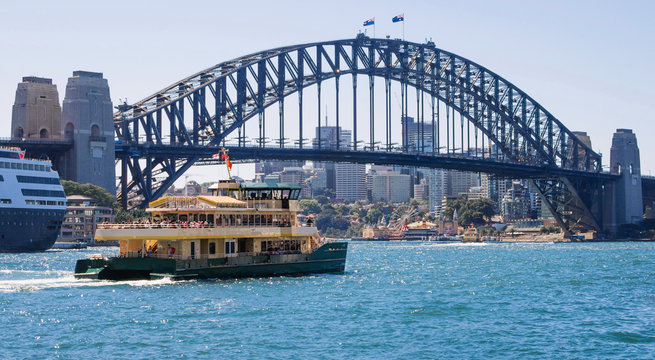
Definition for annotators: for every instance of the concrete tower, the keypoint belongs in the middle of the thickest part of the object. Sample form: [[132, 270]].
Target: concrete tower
[[36, 112], [626, 205], [87, 118]]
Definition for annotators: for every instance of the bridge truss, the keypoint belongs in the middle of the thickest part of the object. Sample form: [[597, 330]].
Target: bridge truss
[[500, 130]]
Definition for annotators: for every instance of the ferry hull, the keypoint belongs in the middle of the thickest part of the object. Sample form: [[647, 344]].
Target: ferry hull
[[329, 258]]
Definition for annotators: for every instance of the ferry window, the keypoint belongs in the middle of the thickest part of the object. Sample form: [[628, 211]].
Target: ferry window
[[13, 165], [229, 247], [202, 217], [1, 178], [210, 218], [183, 218], [212, 248], [5, 201], [258, 221]]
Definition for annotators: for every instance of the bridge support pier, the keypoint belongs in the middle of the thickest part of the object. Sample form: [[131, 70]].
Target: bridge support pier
[[623, 198]]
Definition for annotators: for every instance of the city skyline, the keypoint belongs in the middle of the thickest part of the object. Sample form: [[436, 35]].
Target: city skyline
[[564, 73]]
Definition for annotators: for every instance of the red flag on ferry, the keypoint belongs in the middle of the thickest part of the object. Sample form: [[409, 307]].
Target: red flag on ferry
[[229, 163], [22, 154]]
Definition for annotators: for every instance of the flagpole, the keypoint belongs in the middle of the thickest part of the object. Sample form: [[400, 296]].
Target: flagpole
[[403, 26]]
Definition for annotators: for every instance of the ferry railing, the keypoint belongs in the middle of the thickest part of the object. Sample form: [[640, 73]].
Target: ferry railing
[[158, 255], [189, 225]]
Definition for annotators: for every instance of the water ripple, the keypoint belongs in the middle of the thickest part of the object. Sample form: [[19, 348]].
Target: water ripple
[[398, 300]]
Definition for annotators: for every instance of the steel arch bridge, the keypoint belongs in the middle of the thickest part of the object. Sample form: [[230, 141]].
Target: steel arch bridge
[[501, 129]]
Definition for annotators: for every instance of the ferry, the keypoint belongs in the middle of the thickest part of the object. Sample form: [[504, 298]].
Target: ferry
[[240, 230], [32, 203]]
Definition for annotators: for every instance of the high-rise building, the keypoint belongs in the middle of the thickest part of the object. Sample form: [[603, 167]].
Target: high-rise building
[[316, 181], [36, 112], [459, 182], [437, 184], [293, 175], [271, 166], [390, 187], [516, 202], [87, 118], [421, 191], [327, 139], [350, 181], [417, 136]]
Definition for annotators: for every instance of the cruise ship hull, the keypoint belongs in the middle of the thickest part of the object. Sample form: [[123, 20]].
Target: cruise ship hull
[[329, 258], [27, 230]]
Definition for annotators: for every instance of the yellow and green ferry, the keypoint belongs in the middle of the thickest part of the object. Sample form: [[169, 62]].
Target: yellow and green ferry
[[240, 230]]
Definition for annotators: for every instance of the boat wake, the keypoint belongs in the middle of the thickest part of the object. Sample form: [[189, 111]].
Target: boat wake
[[69, 281]]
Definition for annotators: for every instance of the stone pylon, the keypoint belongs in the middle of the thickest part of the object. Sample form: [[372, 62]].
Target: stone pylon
[[87, 119], [624, 204], [36, 112]]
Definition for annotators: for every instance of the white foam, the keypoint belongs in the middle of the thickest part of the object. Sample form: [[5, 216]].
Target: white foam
[[69, 281]]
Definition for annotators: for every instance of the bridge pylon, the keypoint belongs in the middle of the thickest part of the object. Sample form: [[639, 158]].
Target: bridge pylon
[[623, 197]]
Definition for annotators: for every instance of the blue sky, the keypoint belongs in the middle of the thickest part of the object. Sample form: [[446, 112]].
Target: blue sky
[[588, 62]]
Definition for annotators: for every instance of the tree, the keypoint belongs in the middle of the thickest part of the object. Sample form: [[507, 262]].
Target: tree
[[476, 212], [309, 206], [373, 215], [123, 216], [100, 195]]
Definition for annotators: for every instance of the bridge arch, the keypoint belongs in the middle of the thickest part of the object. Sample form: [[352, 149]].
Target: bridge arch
[[205, 109]]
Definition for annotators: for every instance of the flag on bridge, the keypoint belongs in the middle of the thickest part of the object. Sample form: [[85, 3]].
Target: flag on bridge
[[398, 18], [370, 21], [216, 156]]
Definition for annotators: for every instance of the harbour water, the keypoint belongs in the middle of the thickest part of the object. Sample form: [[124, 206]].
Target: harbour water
[[396, 300]]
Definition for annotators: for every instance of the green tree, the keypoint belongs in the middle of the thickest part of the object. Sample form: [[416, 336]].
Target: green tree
[[474, 212], [123, 216], [309, 206], [100, 195], [373, 215]]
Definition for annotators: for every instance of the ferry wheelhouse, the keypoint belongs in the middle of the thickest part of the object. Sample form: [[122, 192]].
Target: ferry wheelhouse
[[241, 230]]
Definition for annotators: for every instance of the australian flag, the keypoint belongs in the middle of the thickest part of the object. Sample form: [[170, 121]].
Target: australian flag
[[398, 18], [370, 21]]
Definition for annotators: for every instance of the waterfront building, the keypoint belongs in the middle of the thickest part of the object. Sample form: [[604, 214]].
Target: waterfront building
[[36, 112], [390, 187], [82, 218]]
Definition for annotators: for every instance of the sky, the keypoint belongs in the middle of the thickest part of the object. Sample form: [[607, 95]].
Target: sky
[[588, 62]]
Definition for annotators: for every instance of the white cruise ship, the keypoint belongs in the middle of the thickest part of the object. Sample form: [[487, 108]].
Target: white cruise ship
[[32, 203]]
